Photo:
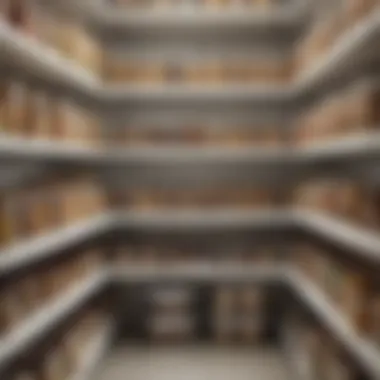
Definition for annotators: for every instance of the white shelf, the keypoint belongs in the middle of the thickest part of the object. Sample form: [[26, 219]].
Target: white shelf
[[26, 53], [21, 149], [365, 243], [196, 273], [178, 93], [94, 354], [25, 336], [350, 50], [176, 154], [40, 248], [199, 19], [48, 150], [362, 350], [351, 147], [201, 219], [357, 147]]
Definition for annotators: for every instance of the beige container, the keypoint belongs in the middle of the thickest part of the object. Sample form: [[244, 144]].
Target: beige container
[[19, 15], [30, 289], [16, 102], [333, 366], [355, 297], [250, 300], [225, 301], [251, 329], [52, 366], [7, 222], [13, 307], [4, 10], [354, 10], [43, 120], [224, 330], [85, 51], [4, 95]]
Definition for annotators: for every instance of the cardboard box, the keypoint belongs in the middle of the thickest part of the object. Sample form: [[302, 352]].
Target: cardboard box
[[13, 308], [354, 10], [16, 101]]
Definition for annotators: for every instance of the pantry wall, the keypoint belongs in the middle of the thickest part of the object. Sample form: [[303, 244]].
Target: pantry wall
[[192, 172]]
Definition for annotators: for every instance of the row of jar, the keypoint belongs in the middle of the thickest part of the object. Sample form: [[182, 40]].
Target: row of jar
[[326, 30], [146, 199], [349, 111], [189, 4], [48, 204], [201, 135], [344, 199], [28, 293], [31, 113], [67, 37], [147, 254], [352, 290], [67, 356], [219, 71]]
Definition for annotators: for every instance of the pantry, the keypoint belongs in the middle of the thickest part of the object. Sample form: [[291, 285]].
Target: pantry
[[189, 187]]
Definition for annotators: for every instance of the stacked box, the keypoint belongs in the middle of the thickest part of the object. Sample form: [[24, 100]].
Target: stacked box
[[239, 314], [47, 205], [212, 198], [326, 31], [68, 37], [31, 113], [118, 70], [27, 294], [353, 291], [346, 199], [316, 355], [171, 317], [351, 111]]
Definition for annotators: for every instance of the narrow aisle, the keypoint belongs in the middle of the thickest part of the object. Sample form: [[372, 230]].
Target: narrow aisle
[[194, 362]]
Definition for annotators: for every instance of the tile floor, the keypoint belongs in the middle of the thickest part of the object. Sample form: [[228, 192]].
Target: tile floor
[[190, 363]]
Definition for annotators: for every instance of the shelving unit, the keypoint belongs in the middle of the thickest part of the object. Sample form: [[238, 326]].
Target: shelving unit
[[90, 221]]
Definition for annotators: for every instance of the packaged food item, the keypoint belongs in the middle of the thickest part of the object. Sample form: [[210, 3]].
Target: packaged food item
[[52, 367], [372, 328], [14, 212], [6, 222], [4, 10], [43, 119], [225, 301], [354, 10], [16, 103], [250, 299], [174, 73], [333, 364], [30, 291], [171, 328], [251, 328], [224, 328], [12, 307], [19, 15], [3, 105]]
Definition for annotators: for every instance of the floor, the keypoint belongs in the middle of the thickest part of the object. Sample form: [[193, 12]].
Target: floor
[[185, 363]]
